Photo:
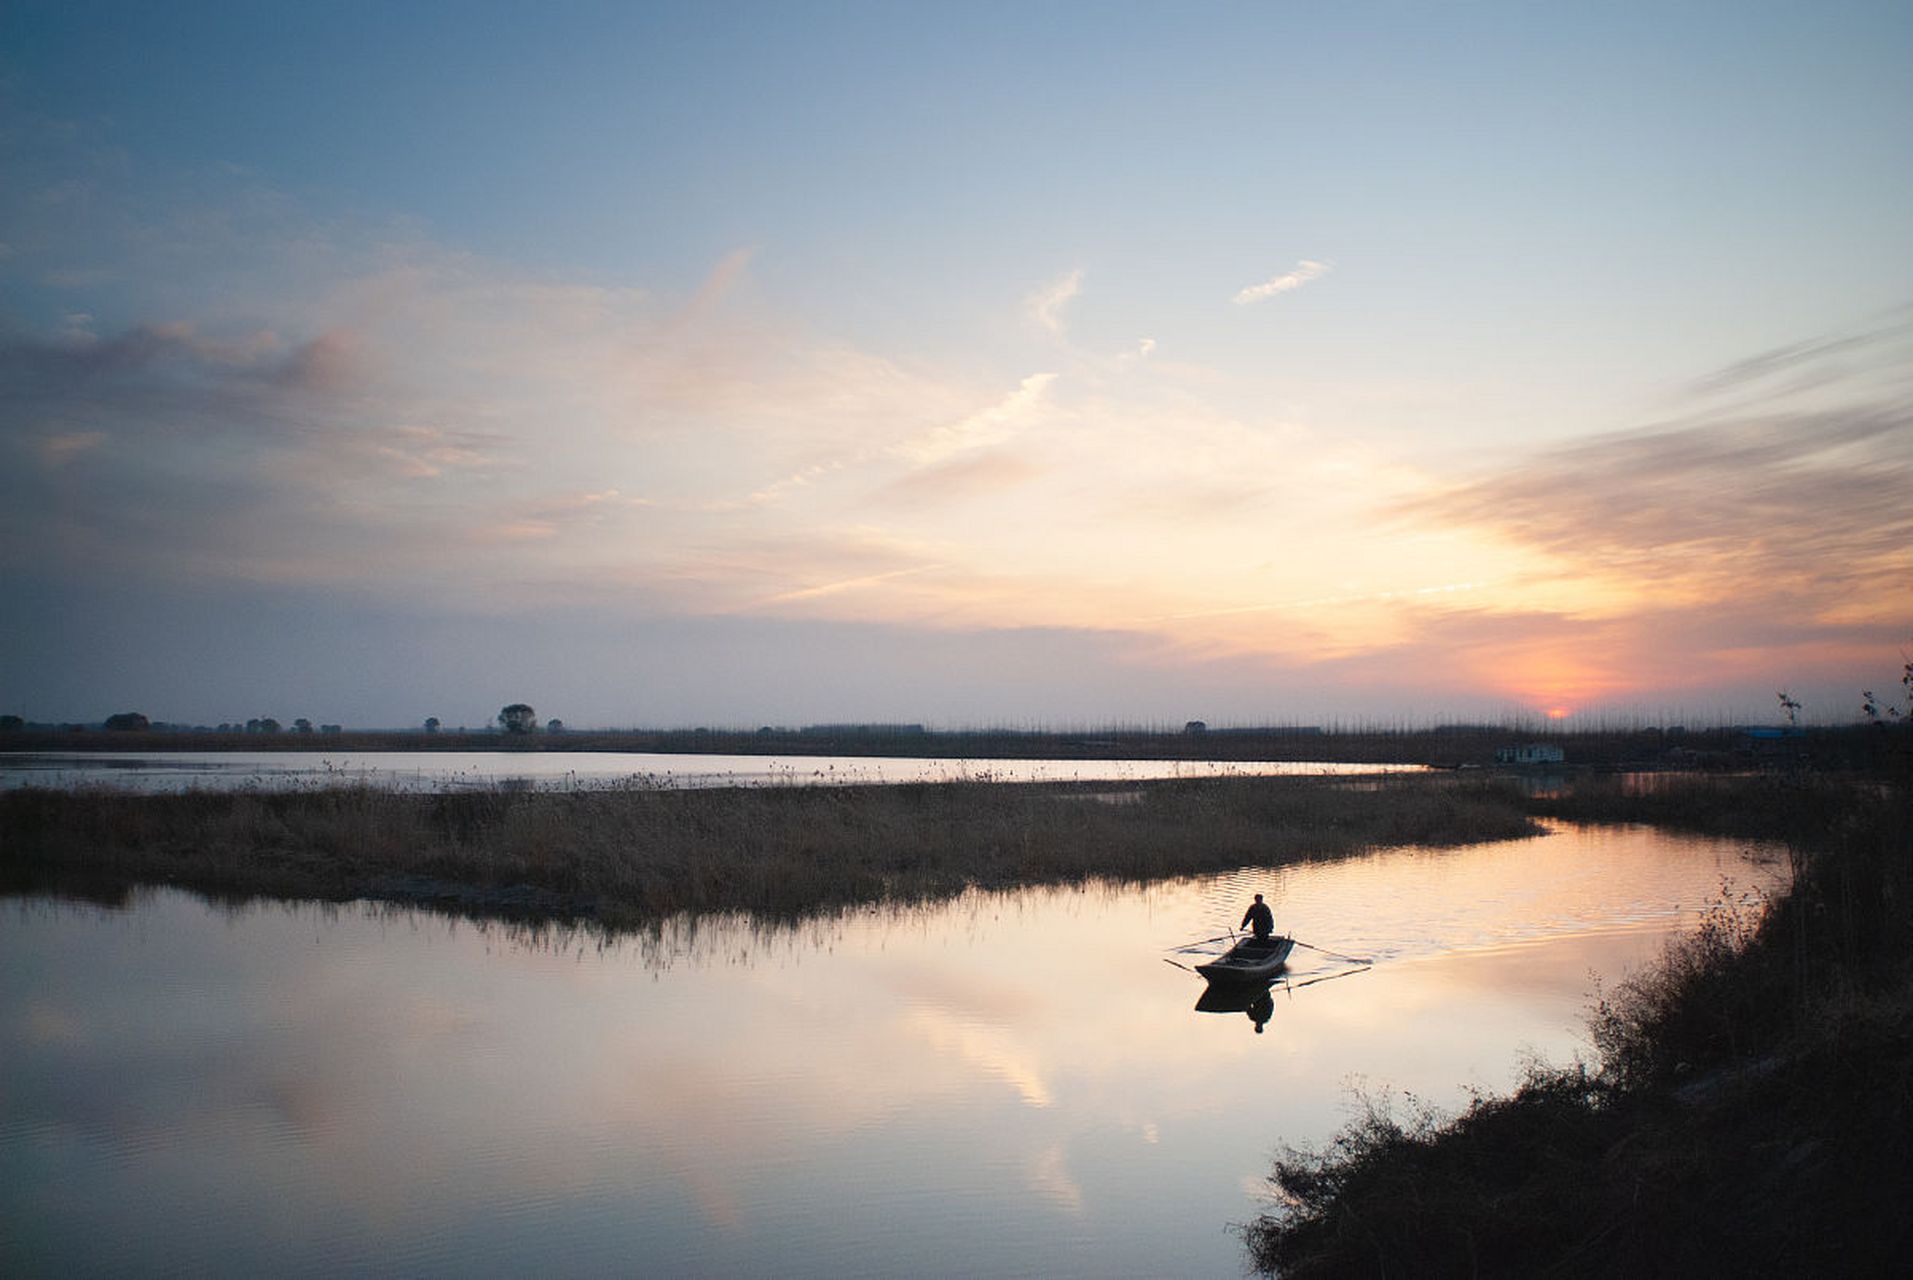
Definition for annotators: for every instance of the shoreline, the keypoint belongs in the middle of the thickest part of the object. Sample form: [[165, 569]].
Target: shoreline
[[1743, 1113]]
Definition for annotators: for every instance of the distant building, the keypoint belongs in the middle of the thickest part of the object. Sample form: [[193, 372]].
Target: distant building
[[1531, 753]]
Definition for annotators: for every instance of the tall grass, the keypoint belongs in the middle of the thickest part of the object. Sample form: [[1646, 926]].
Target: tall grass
[[624, 856]]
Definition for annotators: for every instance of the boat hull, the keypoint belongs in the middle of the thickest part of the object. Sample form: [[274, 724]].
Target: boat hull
[[1249, 961]]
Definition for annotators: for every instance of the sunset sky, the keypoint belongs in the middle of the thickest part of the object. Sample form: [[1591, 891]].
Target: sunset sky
[[974, 364]]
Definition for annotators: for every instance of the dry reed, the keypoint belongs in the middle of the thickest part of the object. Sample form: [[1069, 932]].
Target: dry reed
[[623, 856]]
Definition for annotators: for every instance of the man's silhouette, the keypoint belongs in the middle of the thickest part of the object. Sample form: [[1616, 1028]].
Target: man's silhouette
[[1260, 919]]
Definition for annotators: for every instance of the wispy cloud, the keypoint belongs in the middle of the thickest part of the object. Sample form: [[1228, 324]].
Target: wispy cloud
[[1045, 305], [988, 426], [961, 477], [1330, 602], [1837, 358], [1304, 271], [556, 513], [1810, 506], [60, 448], [846, 584]]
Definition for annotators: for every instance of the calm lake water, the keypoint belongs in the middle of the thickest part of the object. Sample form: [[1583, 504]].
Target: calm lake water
[[1005, 1084], [452, 770]]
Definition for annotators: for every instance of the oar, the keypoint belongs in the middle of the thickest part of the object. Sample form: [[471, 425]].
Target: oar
[[1327, 977], [1333, 954], [1179, 964], [1203, 942]]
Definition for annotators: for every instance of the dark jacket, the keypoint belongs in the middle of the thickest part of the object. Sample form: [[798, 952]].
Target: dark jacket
[[1260, 918]]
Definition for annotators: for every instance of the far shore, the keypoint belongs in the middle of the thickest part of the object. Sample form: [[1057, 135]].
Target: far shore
[[1455, 746], [624, 858]]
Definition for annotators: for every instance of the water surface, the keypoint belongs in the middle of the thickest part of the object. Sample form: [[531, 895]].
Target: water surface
[[1000, 1085], [454, 770]]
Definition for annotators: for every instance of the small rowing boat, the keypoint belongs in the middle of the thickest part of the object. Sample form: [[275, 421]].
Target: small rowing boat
[[1249, 960]]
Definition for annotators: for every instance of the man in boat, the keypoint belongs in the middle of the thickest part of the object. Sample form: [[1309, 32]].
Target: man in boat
[[1259, 919]]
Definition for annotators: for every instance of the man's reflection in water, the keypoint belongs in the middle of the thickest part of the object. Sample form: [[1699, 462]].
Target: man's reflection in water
[[1262, 1009]]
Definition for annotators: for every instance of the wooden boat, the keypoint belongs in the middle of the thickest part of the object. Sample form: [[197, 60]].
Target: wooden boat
[[1249, 960]]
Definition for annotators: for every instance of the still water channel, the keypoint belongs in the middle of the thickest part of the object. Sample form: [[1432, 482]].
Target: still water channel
[[1005, 1084]]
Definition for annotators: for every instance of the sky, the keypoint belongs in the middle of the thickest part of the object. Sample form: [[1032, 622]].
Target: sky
[[970, 364]]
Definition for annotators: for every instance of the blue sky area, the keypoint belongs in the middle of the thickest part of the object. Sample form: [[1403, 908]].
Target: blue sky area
[[972, 364]]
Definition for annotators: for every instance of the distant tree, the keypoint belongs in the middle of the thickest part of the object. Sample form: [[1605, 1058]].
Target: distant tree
[[268, 725], [431, 724], [331, 728], [11, 724], [1788, 705], [518, 718], [1195, 726], [554, 726], [302, 725], [128, 720]]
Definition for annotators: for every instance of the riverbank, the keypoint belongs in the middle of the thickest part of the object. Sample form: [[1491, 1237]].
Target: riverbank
[[1745, 1113], [627, 857]]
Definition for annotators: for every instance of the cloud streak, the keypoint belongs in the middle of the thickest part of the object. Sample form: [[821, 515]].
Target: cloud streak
[[1808, 504], [1302, 273], [1818, 360], [1045, 305], [1678, 561]]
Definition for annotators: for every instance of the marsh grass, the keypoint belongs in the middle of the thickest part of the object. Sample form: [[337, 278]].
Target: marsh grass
[[629, 855], [1746, 1113]]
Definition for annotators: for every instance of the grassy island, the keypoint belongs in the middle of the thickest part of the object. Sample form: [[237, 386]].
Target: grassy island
[[1747, 1112], [624, 857]]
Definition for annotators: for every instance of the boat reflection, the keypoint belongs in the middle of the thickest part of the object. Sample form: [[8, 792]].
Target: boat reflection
[[1258, 999], [1255, 999]]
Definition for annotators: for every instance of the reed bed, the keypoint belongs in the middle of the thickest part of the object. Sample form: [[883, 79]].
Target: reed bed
[[627, 856]]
